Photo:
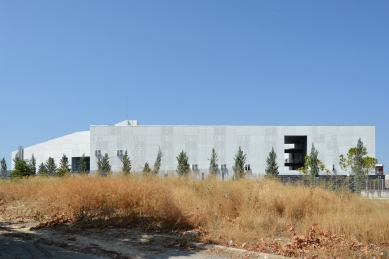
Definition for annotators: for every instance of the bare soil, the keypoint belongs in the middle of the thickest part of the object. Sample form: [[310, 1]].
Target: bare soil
[[21, 239]]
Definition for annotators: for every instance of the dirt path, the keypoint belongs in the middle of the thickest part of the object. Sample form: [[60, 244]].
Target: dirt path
[[18, 240]]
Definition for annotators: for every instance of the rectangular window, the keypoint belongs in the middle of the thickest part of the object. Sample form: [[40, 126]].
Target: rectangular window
[[295, 150]]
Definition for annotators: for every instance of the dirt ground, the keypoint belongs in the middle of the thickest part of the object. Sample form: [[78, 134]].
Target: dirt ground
[[19, 239]]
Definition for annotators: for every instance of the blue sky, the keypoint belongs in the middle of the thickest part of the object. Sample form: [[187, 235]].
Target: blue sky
[[65, 65]]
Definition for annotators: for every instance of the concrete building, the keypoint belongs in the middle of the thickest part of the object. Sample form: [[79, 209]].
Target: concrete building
[[291, 143], [73, 145]]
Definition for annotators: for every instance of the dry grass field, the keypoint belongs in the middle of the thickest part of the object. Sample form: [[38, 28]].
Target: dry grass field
[[261, 215]]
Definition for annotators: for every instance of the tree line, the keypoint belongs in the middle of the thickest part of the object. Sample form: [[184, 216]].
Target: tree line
[[104, 167], [183, 167], [25, 168], [356, 162]]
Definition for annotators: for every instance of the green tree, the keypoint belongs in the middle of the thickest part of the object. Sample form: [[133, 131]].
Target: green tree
[[369, 165], [271, 164], [61, 172], [238, 168], [51, 167], [3, 166], [98, 164], [82, 165], [103, 165], [146, 169], [126, 164], [313, 166], [21, 169], [213, 162], [358, 164], [32, 165], [157, 163], [42, 170], [15, 159], [64, 163], [314, 163], [182, 164]]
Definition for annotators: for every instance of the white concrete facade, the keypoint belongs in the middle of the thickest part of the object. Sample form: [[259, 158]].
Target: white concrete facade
[[142, 144], [72, 145]]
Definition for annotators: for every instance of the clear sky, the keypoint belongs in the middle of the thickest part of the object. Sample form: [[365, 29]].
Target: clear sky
[[65, 65]]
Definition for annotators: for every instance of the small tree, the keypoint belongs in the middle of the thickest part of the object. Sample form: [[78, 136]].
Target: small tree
[[82, 166], [239, 161], [21, 169], [32, 165], [213, 162], [157, 163], [15, 159], [103, 165], [369, 165], [146, 169], [51, 167], [98, 164], [126, 164], [64, 163], [313, 166], [3, 166], [61, 172], [182, 164], [271, 164], [358, 163], [314, 162], [42, 170]]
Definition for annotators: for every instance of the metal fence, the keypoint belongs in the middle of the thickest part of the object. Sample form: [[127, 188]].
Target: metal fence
[[4, 175], [362, 184]]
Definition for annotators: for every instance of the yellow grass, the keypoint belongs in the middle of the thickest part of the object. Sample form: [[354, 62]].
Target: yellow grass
[[243, 211]]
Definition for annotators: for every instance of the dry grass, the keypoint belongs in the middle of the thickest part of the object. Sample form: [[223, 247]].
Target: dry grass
[[243, 211]]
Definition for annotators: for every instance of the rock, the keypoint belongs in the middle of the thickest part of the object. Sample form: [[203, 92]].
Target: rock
[[191, 233]]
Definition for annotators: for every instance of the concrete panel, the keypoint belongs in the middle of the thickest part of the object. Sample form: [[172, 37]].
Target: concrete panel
[[72, 145], [255, 141]]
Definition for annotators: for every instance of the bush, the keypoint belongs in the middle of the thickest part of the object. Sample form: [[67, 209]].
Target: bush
[[61, 172], [22, 169]]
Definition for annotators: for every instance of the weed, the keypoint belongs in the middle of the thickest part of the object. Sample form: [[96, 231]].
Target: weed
[[243, 211]]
